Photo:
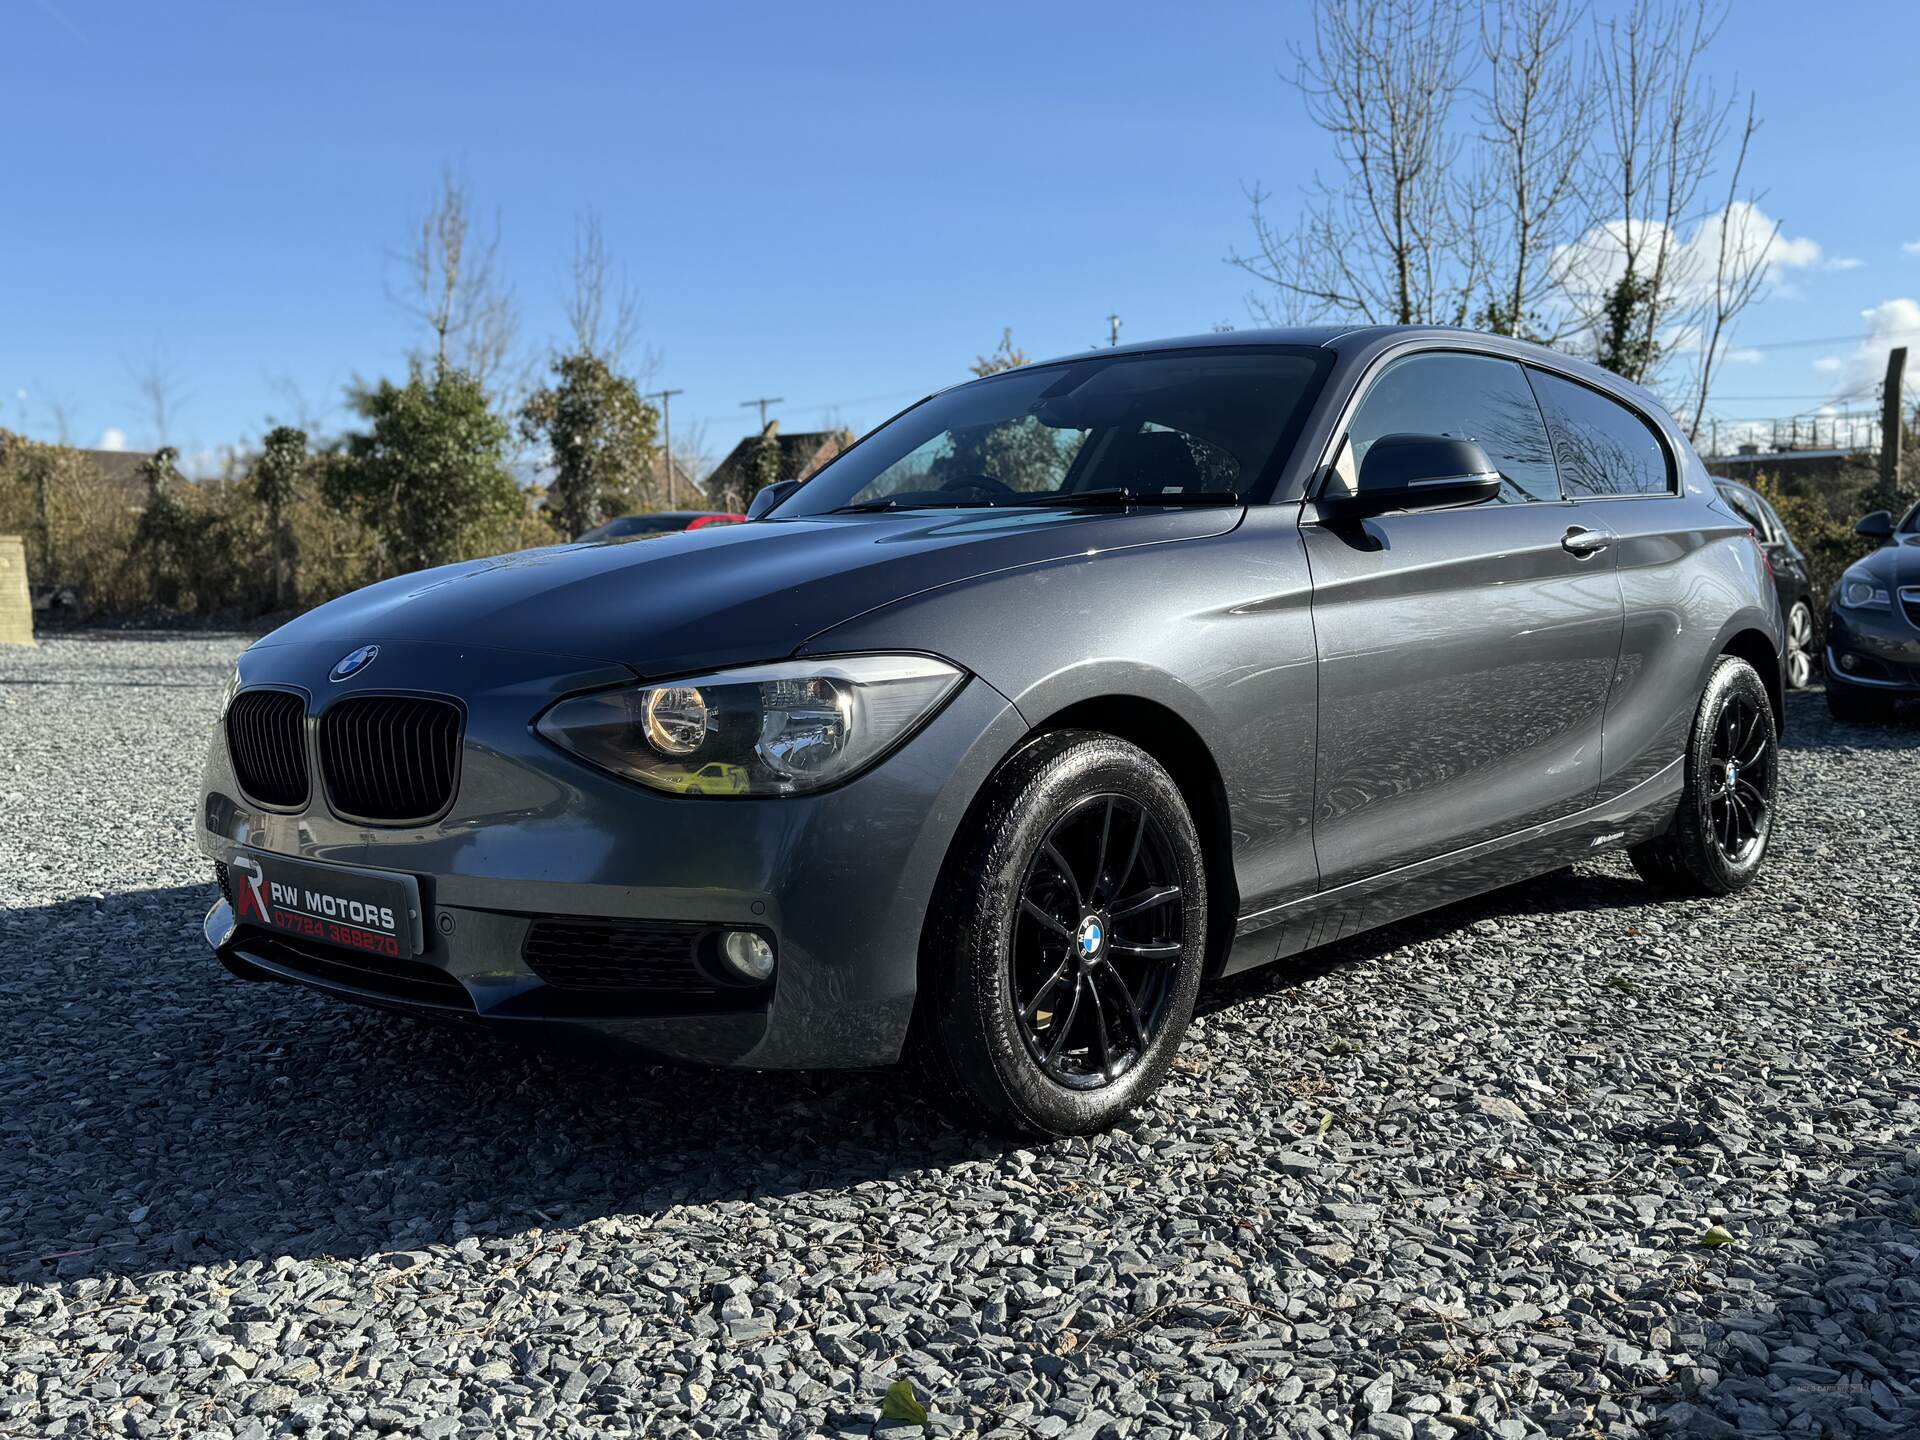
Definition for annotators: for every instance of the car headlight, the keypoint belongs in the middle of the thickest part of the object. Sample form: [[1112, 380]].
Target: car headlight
[[779, 729], [233, 689], [1862, 592]]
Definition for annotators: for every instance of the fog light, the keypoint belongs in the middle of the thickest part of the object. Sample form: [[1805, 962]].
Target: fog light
[[750, 956], [1846, 662]]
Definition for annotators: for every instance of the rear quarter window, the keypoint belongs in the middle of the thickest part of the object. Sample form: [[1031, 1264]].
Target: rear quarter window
[[1603, 449], [1745, 506]]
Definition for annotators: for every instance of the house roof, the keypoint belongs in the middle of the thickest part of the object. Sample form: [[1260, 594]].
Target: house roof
[[801, 453], [121, 469]]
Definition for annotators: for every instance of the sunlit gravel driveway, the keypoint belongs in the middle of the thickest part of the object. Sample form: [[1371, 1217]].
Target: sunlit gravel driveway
[[1450, 1179]]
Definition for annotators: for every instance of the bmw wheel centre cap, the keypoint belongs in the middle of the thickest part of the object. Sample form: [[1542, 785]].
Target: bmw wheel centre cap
[[353, 662], [1091, 937]]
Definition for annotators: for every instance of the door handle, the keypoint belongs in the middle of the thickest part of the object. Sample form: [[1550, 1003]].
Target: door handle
[[1583, 542]]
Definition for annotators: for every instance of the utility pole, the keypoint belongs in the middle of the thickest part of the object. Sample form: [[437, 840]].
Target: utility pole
[[1890, 419], [763, 402], [665, 397], [1113, 330]]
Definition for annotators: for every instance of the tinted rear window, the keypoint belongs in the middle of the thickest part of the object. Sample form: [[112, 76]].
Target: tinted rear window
[[1603, 448]]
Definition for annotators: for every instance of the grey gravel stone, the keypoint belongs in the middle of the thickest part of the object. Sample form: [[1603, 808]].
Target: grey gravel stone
[[1445, 1180]]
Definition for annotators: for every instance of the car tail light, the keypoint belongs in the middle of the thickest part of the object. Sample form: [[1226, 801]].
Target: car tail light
[[1766, 560]]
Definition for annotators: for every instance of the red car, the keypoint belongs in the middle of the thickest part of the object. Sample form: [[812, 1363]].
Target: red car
[[629, 527]]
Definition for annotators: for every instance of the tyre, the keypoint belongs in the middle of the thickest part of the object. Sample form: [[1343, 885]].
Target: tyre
[[1719, 836], [1065, 948], [1855, 704], [1799, 665]]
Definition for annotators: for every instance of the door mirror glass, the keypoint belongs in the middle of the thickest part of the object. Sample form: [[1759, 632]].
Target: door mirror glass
[[1417, 472], [1877, 526], [769, 497]]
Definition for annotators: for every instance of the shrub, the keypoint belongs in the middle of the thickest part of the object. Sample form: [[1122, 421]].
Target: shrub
[[78, 527], [429, 476], [1820, 515]]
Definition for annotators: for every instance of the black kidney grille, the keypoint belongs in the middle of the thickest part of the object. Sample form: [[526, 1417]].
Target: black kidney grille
[[392, 759], [593, 954], [267, 738]]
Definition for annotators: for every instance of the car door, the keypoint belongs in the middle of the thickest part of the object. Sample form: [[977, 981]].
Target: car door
[[1464, 654], [1622, 471]]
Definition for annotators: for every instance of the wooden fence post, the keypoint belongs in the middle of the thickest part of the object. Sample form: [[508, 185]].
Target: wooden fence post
[[1890, 419], [16, 605]]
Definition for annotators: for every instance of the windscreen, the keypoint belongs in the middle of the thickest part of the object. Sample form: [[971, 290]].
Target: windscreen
[[1172, 425]]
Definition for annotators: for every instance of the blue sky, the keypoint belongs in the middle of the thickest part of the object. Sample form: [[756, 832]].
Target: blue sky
[[839, 205]]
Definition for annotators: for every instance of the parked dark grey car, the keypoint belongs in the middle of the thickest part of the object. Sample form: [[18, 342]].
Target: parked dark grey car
[[1792, 581], [1873, 623], [1063, 691]]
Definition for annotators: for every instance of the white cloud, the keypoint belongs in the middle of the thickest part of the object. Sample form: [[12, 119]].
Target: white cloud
[[1890, 323], [1594, 263], [1843, 262], [209, 464], [112, 438], [1829, 364], [1912, 247], [1744, 355]]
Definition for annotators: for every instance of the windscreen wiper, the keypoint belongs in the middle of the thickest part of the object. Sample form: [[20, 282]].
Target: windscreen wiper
[[1122, 495], [894, 502]]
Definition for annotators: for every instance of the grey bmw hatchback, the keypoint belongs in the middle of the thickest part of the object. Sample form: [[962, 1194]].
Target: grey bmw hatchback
[[1060, 694]]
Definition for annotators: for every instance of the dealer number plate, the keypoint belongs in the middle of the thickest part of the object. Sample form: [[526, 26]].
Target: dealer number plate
[[375, 912]]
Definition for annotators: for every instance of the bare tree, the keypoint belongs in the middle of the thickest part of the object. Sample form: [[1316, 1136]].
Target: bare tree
[[300, 411], [603, 313], [161, 392], [1741, 267], [1536, 111], [60, 412], [1396, 241], [693, 455], [1662, 127], [1006, 356], [453, 285]]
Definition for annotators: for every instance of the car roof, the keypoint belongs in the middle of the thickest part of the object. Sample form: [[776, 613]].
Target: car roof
[[1356, 339]]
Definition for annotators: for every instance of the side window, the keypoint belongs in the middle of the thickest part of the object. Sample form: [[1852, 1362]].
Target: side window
[[1469, 397], [1774, 523], [1745, 507], [1603, 447]]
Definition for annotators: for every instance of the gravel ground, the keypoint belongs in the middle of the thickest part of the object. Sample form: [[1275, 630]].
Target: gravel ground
[[1449, 1179]]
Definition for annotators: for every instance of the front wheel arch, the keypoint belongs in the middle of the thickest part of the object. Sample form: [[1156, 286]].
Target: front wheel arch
[[1177, 748]]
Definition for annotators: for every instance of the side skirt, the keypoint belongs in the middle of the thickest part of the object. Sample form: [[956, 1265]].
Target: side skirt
[[1627, 819]]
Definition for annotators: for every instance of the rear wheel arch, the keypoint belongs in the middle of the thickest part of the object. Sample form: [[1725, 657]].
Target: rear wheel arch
[[1756, 648]]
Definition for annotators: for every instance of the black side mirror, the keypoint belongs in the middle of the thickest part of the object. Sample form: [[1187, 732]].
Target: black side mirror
[[1877, 526], [1417, 472], [769, 497]]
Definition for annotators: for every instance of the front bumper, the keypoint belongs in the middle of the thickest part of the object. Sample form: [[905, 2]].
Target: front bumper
[[841, 881], [1879, 650]]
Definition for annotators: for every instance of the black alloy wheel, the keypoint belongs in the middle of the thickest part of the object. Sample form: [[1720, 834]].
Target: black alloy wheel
[[1740, 793], [1060, 965], [1727, 807], [1096, 941]]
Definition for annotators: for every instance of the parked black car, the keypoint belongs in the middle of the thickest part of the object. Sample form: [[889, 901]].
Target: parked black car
[[1873, 623], [1791, 580]]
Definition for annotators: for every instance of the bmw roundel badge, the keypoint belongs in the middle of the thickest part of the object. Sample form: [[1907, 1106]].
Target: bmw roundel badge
[[353, 662]]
